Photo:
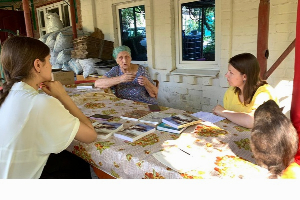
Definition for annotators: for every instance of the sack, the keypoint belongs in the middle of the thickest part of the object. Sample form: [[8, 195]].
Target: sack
[[52, 22], [53, 57], [66, 67], [57, 66], [63, 42], [50, 42], [88, 66], [44, 37], [64, 39], [75, 66], [64, 56]]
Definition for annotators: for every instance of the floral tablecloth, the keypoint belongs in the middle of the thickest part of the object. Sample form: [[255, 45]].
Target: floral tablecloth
[[226, 145]]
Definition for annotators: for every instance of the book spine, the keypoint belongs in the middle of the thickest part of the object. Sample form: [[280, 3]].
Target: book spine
[[150, 122], [169, 123], [123, 137], [168, 130], [128, 118], [143, 135]]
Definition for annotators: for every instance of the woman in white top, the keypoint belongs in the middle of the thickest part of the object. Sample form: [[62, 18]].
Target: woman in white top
[[34, 125]]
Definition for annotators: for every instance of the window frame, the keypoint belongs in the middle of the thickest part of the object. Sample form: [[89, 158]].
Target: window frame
[[181, 64], [45, 9], [128, 5]]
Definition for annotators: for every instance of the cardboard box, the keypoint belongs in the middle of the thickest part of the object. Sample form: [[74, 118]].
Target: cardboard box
[[81, 78], [65, 77]]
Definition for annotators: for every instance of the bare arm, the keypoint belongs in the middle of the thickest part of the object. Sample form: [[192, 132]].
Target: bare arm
[[242, 119], [151, 89], [105, 82], [86, 132]]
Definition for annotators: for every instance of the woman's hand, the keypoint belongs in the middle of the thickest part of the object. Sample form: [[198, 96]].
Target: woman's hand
[[127, 77], [54, 88], [86, 132], [142, 80], [242, 119], [218, 110], [151, 89]]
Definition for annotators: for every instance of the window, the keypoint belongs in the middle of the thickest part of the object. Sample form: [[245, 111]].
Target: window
[[132, 30], [196, 36], [61, 8]]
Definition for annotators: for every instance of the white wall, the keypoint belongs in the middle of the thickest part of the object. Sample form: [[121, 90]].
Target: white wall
[[238, 34]]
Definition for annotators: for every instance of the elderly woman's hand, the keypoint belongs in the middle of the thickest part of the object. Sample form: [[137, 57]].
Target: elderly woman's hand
[[142, 80], [127, 77]]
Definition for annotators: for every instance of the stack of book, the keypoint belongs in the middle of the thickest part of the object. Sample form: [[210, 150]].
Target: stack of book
[[135, 115], [177, 123], [106, 129], [154, 118], [101, 117], [165, 127], [134, 132]]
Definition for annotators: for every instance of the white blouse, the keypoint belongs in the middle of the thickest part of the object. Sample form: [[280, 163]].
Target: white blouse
[[32, 126]]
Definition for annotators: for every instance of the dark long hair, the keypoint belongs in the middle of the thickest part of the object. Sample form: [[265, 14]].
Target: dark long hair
[[17, 58], [246, 63]]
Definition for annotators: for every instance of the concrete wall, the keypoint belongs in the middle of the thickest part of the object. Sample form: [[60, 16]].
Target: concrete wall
[[238, 33]]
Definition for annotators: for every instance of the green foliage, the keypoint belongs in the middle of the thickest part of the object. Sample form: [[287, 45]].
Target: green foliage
[[128, 15]]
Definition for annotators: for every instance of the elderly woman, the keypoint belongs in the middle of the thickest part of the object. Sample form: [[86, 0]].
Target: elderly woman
[[129, 81]]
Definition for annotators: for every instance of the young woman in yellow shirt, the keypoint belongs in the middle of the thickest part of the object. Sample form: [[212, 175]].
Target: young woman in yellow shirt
[[246, 92]]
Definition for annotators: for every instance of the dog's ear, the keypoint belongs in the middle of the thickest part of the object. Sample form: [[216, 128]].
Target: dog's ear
[[281, 109]]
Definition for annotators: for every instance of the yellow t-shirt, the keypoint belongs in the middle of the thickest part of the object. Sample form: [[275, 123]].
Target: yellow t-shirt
[[263, 93], [291, 172]]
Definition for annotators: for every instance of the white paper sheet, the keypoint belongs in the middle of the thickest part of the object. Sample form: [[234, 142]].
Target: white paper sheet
[[207, 116], [178, 159]]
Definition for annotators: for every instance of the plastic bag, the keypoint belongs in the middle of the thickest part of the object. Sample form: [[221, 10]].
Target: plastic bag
[[44, 37], [50, 42], [53, 57], [88, 66], [64, 39], [66, 67], [52, 22], [64, 56], [75, 66], [63, 42], [57, 66]]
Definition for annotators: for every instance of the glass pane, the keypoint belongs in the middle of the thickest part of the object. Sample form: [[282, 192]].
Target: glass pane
[[66, 18], [133, 31], [54, 10], [198, 30], [42, 19]]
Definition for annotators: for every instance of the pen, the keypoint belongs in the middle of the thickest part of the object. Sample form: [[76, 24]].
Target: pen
[[184, 151]]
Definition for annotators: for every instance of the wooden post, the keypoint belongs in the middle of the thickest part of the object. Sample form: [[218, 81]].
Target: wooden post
[[295, 106], [263, 36], [27, 18], [280, 59], [73, 19]]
